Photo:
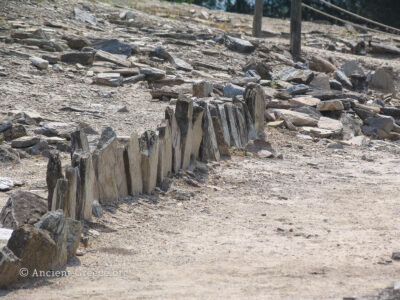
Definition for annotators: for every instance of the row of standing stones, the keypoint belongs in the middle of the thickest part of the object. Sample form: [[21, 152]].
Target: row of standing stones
[[196, 130]]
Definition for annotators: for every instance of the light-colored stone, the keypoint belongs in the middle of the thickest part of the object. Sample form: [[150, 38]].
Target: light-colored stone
[[224, 123], [183, 115], [164, 152], [321, 81], [219, 131], [330, 105], [330, 124], [233, 130], [321, 65], [149, 151], [133, 167], [175, 138], [197, 134], [301, 101], [122, 181], [39, 62], [25, 141], [383, 80], [10, 266], [209, 146], [297, 118]]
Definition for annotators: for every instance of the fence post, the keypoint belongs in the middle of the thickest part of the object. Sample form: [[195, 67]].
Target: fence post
[[295, 28], [257, 19]]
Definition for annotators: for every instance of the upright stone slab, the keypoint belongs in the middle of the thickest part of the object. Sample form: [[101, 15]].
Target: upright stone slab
[[106, 168], [149, 152], [197, 134], [164, 152], [254, 98], [71, 174], [79, 141], [122, 180], [233, 130], [251, 131], [183, 114], [133, 166], [241, 122], [60, 195], [219, 131], [209, 146], [86, 185], [54, 172], [175, 138], [224, 123]]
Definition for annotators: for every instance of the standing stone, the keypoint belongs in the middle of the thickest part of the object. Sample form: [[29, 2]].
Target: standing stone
[[22, 208], [60, 195], [233, 130], [133, 166], [175, 138], [209, 146], [71, 174], [183, 114], [383, 80], [149, 152], [255, 100], [202, 89], [106, 168], [86, 185], [251, 131], [197, 134], [9, 267], [122, 181], [164, 152], [241, 125], [219, 131], [33, 246], [54, 172], [79, 141], [224, 123]]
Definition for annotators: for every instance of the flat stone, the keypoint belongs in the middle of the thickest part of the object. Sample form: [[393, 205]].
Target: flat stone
[[83, 58], [53, 173], [122, 181], [239, 45], [330, 124], [335, 85], [320, 132], [84, 16], [219, 131], [275, 124], [299, 89], [113, 46], [296, 75], [8, 155], [109, 79], [224, 123], [330, 105], [152, 73], [25, 141], [301, 101], [209, 146], [297, 118], [234, 133], [180, 64], [378, 127], [350, 67], [39, 62]]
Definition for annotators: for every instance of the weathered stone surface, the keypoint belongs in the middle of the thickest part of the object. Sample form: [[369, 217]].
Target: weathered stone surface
[[330, 124], [350, 67], [9, 267], [69, 205], [239, 45], [320, 132], [152, 73], [109, 79], [133, 166], [320, 81], [209, 146], [321, 65], [343, 79], [296, 75], [180, 64], [297, 118], [13, 132], [83, 58], [77, 42], [197, 132], [6, 184], [34, 247], [383, 80], [122, 181], [359, 82], [60, 194], [219, 131], [176, 139], [106, 168], [184, 114], [25, 141], [231, 90], [38, 62], [254, 98], [73, 236], [86, 184], [113, 46], [22, 208], [241, 122], [301, 101], [165, 152], [251, 131], [299, 89], [84, 16], [233, 130], [202, 89], [54, 172], [79, 141], [260, 67], [8, 155], [379, 127], [351, 125], [335, 85], [330, 105], [106, 56], [149, 151], [224, 123]]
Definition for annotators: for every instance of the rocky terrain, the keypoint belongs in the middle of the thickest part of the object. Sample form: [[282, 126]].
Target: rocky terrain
[[191, 160]]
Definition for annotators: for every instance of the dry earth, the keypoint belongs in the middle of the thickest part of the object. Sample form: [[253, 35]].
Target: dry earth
[[317, 224]]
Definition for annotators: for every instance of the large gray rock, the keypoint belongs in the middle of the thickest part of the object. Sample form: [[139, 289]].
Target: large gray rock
[[85, 191], [202, 89], [297, 118], [233, 130], [22, 208], [79, 141], [9, 267], [379, 127], [383, 80], [183, 115], [164, 152], [25, 141], [8, 155], [133, 166], [175, 138], [239, 45], [149, 152], [209, 146], [254, 98], [54, 172], [197, 134], [34, 247], [65, 233], [106, 168]]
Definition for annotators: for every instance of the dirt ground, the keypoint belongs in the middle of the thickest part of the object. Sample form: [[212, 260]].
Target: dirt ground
[[317, 224]]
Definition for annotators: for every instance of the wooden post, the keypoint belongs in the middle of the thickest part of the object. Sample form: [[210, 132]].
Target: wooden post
[[257, 19], [295, 28]]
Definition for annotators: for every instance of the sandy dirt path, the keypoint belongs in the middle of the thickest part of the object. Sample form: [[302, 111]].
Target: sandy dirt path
[[319, 224]]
